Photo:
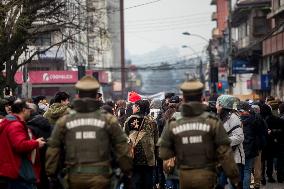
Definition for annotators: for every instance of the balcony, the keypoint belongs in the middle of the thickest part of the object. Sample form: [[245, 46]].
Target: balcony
[[214, 16], [243, 43], [213, 2], [216, 33], [276, 12]]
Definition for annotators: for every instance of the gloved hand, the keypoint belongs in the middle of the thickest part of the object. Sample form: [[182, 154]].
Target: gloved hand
[[238, 185]]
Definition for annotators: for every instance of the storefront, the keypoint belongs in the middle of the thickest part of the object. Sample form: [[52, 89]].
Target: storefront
[[49, 82]]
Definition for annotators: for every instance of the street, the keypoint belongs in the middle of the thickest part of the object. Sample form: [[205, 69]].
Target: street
[[273, 186]]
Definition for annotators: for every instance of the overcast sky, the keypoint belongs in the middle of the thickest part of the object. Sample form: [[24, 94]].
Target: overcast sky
[[160, 24]]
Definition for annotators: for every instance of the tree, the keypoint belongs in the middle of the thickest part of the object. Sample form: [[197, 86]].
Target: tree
[[23, 21]]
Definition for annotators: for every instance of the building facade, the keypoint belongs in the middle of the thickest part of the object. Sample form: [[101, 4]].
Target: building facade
[[273, 49], [218, 47], [250, 25], [94, 44]]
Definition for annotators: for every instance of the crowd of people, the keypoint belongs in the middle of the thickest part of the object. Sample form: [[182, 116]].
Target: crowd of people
[[31, 134]]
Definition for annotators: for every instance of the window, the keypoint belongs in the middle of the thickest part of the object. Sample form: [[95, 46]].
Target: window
[[243, 31], [260, 26], [43, 40]]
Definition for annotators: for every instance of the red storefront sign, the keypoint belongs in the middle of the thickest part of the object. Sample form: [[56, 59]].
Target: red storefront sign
[[41, 77], [56, 77]]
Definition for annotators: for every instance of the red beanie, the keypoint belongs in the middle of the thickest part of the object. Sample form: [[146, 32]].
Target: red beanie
[[133, 97]]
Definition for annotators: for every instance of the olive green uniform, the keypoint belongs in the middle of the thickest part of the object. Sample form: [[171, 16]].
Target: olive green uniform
[[86, 137], [198, 141]]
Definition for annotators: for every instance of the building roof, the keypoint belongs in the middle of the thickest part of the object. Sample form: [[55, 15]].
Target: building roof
[[252, 2], [244, 7], [213, 2]]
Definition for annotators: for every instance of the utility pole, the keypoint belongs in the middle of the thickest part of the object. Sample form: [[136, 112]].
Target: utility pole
[[230, 65], [122, 48]]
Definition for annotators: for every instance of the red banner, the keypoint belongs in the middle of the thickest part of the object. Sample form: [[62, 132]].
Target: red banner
[[56, 77], [40, 77]]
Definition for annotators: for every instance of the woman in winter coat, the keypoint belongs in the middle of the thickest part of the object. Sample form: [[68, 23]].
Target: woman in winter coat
[[143, 133], [226, 105]]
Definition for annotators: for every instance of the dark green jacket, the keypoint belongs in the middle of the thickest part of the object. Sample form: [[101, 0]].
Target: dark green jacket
[[198, 140], [86, 136]]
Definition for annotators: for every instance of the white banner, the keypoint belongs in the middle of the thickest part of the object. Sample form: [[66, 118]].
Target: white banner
[[159, 96]]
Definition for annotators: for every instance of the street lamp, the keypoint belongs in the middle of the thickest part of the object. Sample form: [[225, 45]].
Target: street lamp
[[201, 64], [201, 75], [196, 35]]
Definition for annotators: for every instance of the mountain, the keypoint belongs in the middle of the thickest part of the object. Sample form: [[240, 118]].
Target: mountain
[[163, 54], [163, 70]]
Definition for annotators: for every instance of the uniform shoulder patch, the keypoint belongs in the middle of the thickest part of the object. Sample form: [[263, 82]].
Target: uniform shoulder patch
[[213, 116], [72, 112], [110, 119], [210, 118]]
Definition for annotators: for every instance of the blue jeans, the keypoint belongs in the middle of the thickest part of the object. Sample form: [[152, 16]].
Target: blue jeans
[[172, 184], [20, 185], [247, 172]]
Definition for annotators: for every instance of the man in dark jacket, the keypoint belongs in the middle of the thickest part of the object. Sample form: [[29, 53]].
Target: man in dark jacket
[[261, 143], [251, 148], [160, 120], [16, 144], [280, 136], [40, 127], [275, 143]]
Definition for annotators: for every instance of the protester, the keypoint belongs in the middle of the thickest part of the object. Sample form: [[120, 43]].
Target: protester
[[58, 108], [16, 165], [250, 144], [40, 127], [226, 108], [120, 111], [143, 133]]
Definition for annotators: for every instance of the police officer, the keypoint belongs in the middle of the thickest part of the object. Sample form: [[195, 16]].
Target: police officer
[[199, 141], [86, 137]]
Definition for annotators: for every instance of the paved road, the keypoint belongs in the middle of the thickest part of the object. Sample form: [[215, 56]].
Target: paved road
[[273, 186]]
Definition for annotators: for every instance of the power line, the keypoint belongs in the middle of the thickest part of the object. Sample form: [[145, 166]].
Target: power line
[[159, 64], [171, 58], [169, 18], [166, 28], [135, 6], [162, 42], [153, 68], [168, 23], [143, 4]]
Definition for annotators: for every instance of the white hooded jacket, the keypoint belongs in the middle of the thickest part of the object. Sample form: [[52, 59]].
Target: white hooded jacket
[[233, 127]]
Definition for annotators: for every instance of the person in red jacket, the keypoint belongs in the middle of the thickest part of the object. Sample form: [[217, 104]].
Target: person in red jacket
[[16, 149]]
